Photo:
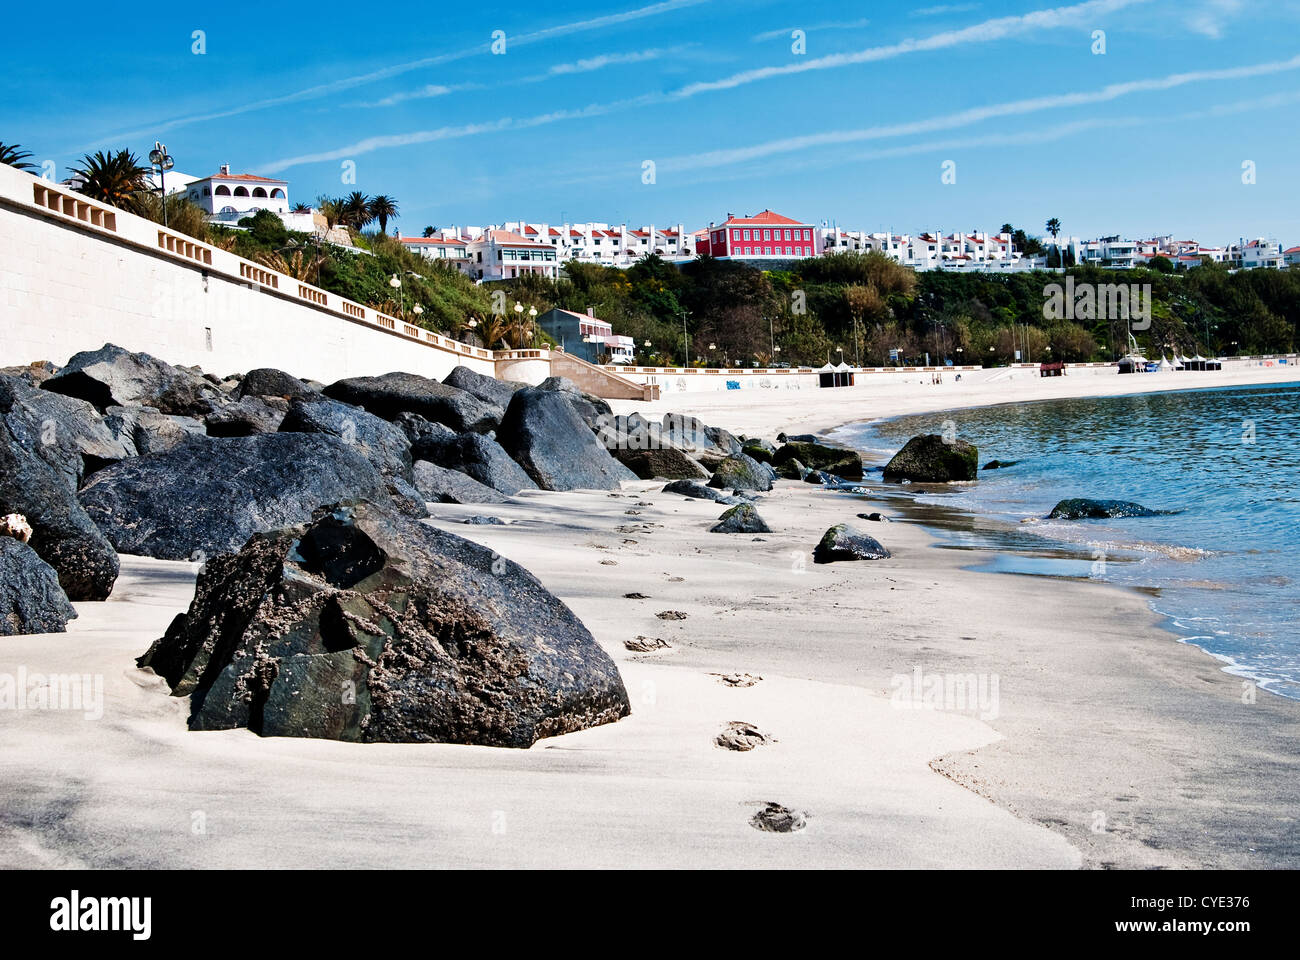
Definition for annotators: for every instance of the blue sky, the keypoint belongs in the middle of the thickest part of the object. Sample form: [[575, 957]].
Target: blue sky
[[1148, 138]]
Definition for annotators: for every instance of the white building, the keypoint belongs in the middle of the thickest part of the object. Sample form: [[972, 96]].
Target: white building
[[452, 250], [594, 242], [1292, 257], [1260, 253], [230, 196], [504, 254], [976, 251]]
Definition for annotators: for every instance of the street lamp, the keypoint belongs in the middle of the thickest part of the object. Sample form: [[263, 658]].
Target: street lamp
[[396, 284], [417, 310], [162, 162]]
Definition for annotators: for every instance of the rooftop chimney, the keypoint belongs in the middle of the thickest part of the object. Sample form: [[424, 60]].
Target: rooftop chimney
[[225, 169]]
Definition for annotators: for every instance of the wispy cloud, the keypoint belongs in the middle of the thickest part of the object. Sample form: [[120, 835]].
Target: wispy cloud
[[831, 25], [394, 70], [426, 92], [610, 60], [944, 9], [1210, 17], [371, 144], [973, 115], [984, 32]]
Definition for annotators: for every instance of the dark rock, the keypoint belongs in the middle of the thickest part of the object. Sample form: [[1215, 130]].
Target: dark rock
[[1082, 508], [843, 542], [63, 535], [382, 443], [722, 440], [424, 434], [393, 394], [932, 459], [67, 433], [269, 382], [644, 644], [440, 485], [111, 376], [874, 517], [818, 456], [760, 450], [544, 434], [406, 498], [818, 476], [210, 496], [1000, 464], [792, 470], [591, 410], [485, 521], [365, 626], [740, 519], [695, 489], [148, 430], [488, 389], [692, 435], [246, 417], [479, 457], [671, 615], [31, 600], [739, 472], [774, 818], [666, 462]]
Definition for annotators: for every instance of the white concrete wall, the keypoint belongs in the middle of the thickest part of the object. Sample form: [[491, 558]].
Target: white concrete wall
[[68, 285], [703, 380]]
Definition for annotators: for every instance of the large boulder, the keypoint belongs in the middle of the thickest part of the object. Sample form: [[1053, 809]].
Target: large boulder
[[723, 440], [150, 431], [440, 485], [818, 456], [741, 472], [382, 443], [62, 533], [425, 435], [543, 433], [364, 626], [269, 382], [488, 389], [66, 433], [844, 542], [742, 518], [393, 394], [245, 417], [33, 374], [1083, 508], [112, 376], [668, 463], [31, 600], [592, 410], [208, 496], [479, 457], [934, 459]]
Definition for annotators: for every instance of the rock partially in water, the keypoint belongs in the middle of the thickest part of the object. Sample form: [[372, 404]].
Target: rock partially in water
[[1000, 464], [843, 542], [934, 459], [740, 472], [1083, 508], [363, 625], [838, 461]]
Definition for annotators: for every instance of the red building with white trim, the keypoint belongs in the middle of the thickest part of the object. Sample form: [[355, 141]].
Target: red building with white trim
[[764, 236]]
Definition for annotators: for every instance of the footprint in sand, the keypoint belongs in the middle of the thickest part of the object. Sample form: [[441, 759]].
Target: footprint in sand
[[775, 818]]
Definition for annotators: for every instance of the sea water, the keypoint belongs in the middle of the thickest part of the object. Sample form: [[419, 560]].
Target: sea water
[[1224, 568]]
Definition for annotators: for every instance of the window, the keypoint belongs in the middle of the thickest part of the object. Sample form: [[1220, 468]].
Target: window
[[787, 237], [767, 234], [259, 192], [788, 251], [277, 194], [767, 251], [207, 191], [747, 235], [807, 234], [241, 191], [735, 234], [223, 191]]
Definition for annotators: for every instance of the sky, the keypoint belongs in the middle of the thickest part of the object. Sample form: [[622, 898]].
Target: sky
[[1131, 117]]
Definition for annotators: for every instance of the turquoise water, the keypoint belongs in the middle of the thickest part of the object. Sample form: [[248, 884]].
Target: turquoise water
[[1223, 569]]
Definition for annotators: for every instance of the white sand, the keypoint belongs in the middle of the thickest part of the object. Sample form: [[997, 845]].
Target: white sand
[[1102, 719]]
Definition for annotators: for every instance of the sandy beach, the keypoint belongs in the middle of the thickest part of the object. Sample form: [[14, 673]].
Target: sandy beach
[[1107, 743]]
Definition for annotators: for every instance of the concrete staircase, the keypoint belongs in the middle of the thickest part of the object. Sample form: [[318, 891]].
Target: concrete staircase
[[598, 381]]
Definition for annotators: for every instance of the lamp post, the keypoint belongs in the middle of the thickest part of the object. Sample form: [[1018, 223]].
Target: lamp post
[[712, 347], [417, 310], [532, 323], [162, 162], [686, 342], [396, 283]]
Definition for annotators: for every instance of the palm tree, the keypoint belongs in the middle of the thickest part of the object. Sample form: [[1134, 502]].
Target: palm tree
[[331, 209], [355, 210], [301, 207], [382, 208], [300, 264], [14, 155], [112, 178], [429, 231], [1054, 228], [492, 331]]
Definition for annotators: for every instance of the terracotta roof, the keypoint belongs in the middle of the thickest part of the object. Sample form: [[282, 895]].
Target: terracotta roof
[[510, 238], [1292, 250], [248, 177], [765, 219]]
